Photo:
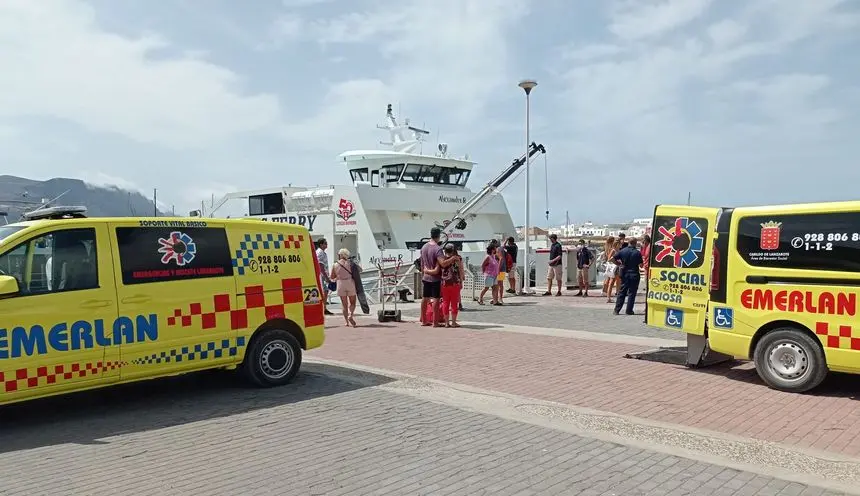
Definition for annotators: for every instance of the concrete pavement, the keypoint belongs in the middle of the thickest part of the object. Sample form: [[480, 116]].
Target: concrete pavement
[[334, 431]]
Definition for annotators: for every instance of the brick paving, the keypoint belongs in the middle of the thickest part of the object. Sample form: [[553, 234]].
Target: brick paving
[[565, 312], [204, 434], [727, 398]]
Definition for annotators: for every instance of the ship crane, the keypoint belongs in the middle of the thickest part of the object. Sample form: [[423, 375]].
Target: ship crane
[[458, 220]]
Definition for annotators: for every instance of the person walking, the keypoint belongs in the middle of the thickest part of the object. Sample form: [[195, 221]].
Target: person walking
[[431, 255], [584, 257], [325, 280], [490, 269], [342, 273], [512, 249], [646, 263], [629, 260], [554, 271], [502, 256], [452, 278], [608, 267]]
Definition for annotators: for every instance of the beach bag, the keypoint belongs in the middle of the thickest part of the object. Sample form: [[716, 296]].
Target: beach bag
[[443, 313], [359, 290], [611, 268]]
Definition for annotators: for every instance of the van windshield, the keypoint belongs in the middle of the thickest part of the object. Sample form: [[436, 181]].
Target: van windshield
[[6, 231]]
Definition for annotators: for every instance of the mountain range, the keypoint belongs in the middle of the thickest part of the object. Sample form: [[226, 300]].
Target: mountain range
[[19, 195]]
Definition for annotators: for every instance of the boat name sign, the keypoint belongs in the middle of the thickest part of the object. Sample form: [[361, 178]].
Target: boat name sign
[[452, 199], [302, 220]]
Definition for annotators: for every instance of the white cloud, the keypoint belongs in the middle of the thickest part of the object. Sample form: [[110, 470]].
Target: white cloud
[[57, 62], [704, 107], [635, 19], [455, 52]]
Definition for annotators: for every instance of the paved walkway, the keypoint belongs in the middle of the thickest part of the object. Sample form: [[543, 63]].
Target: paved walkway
[[332, 432], [727, 398]]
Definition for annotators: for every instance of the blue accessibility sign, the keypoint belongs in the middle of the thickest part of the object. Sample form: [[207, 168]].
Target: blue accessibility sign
[[724, 318], [674, 318]]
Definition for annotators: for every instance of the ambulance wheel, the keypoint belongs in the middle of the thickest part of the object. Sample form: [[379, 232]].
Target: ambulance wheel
[[398, 317], [790, 360], [273, 358], [380, 315]]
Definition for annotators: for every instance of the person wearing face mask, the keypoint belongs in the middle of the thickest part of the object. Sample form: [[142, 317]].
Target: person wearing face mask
[[584, 257]]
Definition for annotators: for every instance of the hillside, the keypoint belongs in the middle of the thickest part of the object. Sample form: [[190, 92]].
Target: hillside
[[18, 195]]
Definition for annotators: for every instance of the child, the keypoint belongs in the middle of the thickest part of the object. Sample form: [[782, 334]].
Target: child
[[490, 269]]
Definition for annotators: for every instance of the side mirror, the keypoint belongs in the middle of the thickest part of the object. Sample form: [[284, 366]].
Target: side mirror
[[8, 285]]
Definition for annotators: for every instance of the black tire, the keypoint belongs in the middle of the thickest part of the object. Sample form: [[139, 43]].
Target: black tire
[[380, 315], [788, 359], [398, 316], [273, 359]]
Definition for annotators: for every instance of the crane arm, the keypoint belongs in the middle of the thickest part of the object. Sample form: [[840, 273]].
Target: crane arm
[[458, 220]]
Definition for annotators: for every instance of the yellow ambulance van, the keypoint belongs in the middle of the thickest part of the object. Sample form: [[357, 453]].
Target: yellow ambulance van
[[778, 285], [91, 302]]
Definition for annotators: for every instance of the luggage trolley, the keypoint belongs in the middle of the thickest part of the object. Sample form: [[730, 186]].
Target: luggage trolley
[[388, 287]]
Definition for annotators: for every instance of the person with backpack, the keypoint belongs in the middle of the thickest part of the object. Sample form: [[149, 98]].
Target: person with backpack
[[452, 284]]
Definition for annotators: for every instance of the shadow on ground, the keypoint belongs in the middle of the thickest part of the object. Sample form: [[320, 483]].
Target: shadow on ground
[[91, 416]]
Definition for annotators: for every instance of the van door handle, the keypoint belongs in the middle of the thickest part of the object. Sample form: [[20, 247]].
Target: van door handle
[[95, 303], [136, 299], [756, 279]]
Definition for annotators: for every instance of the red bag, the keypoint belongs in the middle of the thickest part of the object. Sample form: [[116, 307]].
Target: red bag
[[442, 311]]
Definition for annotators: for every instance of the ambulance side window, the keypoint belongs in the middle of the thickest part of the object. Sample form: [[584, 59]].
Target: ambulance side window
[[60, 261], [161, 254], [815, 241]]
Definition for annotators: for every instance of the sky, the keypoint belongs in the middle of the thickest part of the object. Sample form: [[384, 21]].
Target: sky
[[639, 102]]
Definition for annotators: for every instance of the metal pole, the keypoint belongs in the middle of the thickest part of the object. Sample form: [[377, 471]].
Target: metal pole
[[527, 289], [155, 202]]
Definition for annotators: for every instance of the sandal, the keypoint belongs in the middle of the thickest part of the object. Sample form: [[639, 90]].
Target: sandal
[[352, 322]]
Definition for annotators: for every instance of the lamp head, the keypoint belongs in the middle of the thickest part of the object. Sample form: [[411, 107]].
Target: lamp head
[[528, 85]]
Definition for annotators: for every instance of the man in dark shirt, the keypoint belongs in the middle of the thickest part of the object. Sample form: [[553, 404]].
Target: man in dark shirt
[[511, 248], [629, 260], [554, 271], [584, 257], [622, 238]]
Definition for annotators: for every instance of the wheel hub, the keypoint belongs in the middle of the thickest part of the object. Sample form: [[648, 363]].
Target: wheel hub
[[276, 359], [788, 360]]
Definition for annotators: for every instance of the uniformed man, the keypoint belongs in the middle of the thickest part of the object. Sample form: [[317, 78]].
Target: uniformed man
[[628, 260]]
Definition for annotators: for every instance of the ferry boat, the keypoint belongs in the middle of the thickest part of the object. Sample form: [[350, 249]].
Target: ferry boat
[[395, 197]]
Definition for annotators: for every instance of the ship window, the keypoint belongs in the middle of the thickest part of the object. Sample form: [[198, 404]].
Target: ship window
[[374, 178], [392, 172], [358, 174], [434, 174], [272, 203]]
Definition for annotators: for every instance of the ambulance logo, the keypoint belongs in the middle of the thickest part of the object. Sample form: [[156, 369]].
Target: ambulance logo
[[770, 232], [683, 242], [179, 248], [345, 209]]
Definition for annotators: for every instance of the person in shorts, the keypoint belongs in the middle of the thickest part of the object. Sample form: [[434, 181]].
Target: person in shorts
[[490, 270], [502, 256], [584, 257], [431, 256], [554, 269]]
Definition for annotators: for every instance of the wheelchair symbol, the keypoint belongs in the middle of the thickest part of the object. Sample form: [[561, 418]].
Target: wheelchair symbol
[[674, 318], [724, 318]]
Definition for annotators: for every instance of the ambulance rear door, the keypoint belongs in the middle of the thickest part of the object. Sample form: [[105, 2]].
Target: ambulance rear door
[[680, 267]]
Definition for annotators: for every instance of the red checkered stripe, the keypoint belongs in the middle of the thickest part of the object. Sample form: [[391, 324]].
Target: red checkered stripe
[[273, 303], [296, 240], [20, 379], [837, 336]]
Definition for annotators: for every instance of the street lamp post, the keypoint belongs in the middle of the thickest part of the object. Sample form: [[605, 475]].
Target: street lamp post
[[527, 85]]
